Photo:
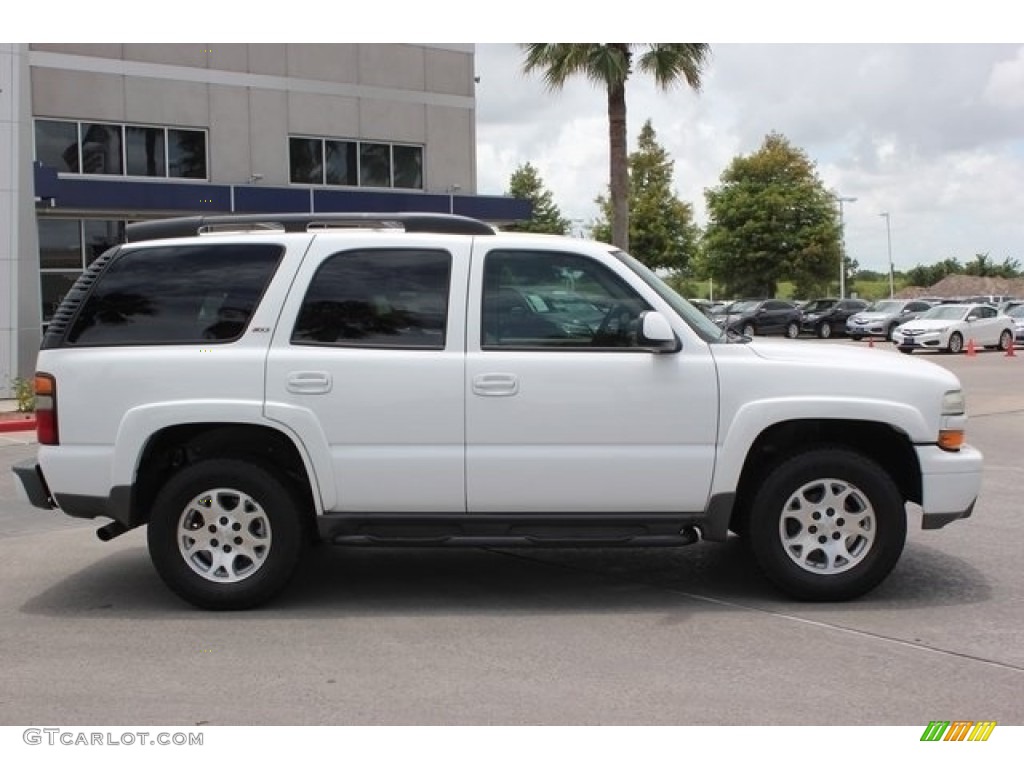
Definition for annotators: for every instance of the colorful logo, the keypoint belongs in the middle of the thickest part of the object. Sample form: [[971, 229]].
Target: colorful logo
[[958, 730]]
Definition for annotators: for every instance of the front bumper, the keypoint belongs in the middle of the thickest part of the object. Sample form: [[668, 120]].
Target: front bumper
[[31, 485], [933, 340], [950, 483]]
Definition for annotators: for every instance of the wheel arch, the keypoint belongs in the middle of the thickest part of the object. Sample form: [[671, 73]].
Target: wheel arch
[[887, 446], [175, 447]]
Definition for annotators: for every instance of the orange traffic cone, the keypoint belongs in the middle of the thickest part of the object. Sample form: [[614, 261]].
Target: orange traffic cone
[[1009, 350], [871, 342], [971, 351]]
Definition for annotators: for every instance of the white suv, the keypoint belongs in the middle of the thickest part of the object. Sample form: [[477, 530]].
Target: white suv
[[245, 385]]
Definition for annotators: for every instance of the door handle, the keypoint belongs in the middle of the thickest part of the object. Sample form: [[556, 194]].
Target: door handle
[[495, 384], [309, 382]]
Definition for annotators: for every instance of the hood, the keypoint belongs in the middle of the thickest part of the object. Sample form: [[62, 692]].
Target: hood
[[928, 325], [870, 316]]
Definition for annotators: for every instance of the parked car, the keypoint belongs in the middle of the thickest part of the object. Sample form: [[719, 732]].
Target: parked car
[[761, 317], [827, 317], [1016, 313], [951, 327], [883, 317], [247, 385]]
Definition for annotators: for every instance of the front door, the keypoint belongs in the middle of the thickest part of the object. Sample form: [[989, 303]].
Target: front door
[[565, 411]]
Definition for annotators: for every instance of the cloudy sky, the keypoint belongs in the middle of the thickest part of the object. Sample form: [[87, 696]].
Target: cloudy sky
[[933, 134]]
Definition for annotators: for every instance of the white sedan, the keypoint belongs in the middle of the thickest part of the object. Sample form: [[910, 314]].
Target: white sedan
[[954, 327]]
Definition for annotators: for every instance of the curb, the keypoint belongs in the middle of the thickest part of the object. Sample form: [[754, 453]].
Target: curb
[[27, 424]]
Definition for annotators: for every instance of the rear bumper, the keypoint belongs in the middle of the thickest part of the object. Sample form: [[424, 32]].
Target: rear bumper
[[31, 485], [950, 483]]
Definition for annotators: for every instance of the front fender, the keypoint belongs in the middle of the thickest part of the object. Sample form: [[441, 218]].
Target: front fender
[[751, 419]]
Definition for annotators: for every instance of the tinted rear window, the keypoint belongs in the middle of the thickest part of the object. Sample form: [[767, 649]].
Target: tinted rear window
[[176, 295]]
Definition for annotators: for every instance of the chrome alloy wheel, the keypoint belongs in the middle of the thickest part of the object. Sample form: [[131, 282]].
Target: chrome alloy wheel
[[827, 526], [224, 535]]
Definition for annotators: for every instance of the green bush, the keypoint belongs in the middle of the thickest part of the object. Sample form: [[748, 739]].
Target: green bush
[[24, 394]]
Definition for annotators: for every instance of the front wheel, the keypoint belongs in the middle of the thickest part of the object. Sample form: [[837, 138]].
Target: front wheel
[[225, 534], [956, 344], [825, 331], [748, 330], [827, 525]]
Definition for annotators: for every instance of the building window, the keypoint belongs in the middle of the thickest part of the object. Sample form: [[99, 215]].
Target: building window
[[109, 149], [66, 248], [354, 163]]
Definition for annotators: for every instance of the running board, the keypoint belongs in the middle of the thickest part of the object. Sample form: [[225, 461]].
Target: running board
[[508, 530]]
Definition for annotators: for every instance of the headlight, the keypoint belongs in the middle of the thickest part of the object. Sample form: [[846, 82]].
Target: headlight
[[953, 403]]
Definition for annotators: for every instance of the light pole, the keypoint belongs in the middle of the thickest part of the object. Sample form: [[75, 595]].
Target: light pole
[[888, 241], [842, 243]]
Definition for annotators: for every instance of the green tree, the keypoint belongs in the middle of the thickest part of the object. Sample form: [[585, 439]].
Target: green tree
[[984, 266], [927, 275], [661, 229], [609, 65], [771, 219], [525, 182]]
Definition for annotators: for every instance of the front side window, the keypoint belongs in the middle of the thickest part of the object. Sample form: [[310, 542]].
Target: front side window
[[553, 300], [391, 298], [176, 295]]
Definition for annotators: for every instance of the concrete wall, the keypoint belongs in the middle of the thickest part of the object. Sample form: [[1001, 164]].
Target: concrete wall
[[19, 266], [251, 97]]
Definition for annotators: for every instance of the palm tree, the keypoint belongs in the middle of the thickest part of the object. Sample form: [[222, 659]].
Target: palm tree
[[611, 64]]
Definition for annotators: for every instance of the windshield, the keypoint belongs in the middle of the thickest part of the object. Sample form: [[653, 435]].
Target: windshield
[[1017, 311], [819, 306], [886, 306], [945, 312], [696, 319], [738, 307]]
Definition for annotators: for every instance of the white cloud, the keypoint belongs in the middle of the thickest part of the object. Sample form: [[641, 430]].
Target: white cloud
[[929, 133]]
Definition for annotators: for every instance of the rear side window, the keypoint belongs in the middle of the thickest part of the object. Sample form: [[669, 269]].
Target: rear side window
[[176, 295], [393, 298]]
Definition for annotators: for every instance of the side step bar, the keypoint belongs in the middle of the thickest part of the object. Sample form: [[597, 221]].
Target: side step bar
[[509, 530]]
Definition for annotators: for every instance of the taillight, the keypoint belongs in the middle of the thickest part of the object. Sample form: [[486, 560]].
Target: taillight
[[46, 409]]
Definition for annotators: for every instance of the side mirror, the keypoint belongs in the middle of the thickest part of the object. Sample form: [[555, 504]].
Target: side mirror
[[656, 333]]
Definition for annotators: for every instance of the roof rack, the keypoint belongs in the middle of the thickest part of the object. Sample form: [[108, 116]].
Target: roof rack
[[190, 226]]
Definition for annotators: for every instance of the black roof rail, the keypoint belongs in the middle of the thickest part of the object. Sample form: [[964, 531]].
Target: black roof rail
[[190, 226]]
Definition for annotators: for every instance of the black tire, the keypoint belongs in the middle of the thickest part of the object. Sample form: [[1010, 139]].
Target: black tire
[[905, 350], [856, 337], [956, 344], [1005, 340], [858, 514], [890, 331], [748, 330], [252, 534], [825, 331], [792, 329]]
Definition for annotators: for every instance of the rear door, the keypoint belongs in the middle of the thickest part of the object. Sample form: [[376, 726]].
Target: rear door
[[367, 365]]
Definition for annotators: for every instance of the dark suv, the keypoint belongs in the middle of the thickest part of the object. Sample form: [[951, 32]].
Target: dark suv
[[761, 317], [827, 317]]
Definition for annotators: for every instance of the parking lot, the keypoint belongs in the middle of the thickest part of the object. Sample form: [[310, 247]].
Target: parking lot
[[689, 636]]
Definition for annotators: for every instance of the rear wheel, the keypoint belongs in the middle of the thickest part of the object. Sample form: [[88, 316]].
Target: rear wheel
[[827, 524], [792, 329], [956, 344], [225, 534], [1005, 340]]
